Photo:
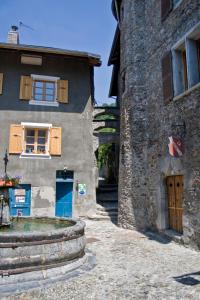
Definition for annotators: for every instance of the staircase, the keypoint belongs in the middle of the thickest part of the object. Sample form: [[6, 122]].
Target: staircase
[[107, 202]]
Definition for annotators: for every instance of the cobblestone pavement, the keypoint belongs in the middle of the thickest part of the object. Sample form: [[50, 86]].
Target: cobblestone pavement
[[130, 265]]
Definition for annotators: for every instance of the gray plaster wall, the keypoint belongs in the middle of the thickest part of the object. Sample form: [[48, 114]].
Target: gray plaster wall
[[75, 118], [146, 122]]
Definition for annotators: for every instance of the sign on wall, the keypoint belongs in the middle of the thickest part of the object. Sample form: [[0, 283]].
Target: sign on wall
[[176, 146], [20, 195], [81, 189]]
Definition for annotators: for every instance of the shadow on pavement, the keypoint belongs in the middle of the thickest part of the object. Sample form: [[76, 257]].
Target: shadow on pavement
[[188, 279]]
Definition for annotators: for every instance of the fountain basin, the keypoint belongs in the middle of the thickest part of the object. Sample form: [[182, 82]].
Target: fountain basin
[[32, 244]]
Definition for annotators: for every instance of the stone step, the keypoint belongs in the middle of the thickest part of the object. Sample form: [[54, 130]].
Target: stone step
[[108, 202], [107, 196], [106, 213], [111, 207], [107, 188], [97, 217]]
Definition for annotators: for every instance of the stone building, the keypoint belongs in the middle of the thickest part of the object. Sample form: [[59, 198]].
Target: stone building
[[46, 105], [156, 77]]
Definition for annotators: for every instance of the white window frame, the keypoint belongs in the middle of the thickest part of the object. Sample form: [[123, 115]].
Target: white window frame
[[45, 78], [27, 125], [193, 73]]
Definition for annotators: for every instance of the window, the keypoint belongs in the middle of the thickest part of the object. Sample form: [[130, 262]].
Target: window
[[175, 2], [167, 6], [36, 141], [186, 62], [44, 90]]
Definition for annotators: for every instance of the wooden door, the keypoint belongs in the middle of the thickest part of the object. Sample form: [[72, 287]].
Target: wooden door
[[175, 202]]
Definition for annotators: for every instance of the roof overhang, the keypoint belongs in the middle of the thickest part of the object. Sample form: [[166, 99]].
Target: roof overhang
[[115, 49], [94, 60], [116, 8]]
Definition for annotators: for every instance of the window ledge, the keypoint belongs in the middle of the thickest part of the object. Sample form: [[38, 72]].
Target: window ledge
[[44, 103], [196, 86], [31, 155]]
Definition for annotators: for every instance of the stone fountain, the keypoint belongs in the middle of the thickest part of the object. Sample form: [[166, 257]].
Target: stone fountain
[[32, 247]]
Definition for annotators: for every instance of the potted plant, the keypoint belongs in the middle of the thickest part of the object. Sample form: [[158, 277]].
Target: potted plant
[[8, 181]]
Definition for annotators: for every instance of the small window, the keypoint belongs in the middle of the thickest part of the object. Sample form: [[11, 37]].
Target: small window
[[175, 2], [44, 90], [186, 62], [36, 141]]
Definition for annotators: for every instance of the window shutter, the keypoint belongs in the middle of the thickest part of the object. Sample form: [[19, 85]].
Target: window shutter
[[15, 143], [62, 91], [166, 7], [167, 77], [55, 141], [1, 83], [25, 88]]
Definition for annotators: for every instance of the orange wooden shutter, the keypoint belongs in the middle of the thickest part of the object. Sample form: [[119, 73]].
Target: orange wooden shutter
[[25, 88], [1, 83], [167, 77], [166, 7], [62, 91], [15, 143], [55, 141]]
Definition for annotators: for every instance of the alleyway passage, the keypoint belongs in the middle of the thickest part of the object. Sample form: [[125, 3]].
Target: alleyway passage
[[130, 265]]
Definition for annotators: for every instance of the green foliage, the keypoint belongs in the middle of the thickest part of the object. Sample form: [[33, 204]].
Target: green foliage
[[105, 152], [109, 105], [107, 130], [105, 117]]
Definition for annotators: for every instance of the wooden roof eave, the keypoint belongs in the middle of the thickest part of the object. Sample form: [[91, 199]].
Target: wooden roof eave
[[94, 60], [115, 49]]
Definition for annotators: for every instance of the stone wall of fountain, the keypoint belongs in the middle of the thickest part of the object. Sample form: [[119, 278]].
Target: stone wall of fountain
[[36, 250]]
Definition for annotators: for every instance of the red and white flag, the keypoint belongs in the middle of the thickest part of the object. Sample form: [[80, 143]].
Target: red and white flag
[[176, 146]]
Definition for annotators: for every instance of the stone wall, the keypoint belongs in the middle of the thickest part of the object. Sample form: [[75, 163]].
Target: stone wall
[[146, 122]]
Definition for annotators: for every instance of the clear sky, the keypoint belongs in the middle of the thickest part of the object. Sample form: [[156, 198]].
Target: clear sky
[[86, 25]]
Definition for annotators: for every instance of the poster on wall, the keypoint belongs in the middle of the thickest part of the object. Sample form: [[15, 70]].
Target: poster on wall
[[81, 189], [20, 195]]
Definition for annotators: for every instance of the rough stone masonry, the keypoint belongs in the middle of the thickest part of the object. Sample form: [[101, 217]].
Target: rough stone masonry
[[147, 121]]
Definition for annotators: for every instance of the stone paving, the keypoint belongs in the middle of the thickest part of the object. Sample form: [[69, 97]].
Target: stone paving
[[130, 265]]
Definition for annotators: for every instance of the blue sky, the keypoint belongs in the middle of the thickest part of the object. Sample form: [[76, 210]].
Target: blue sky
[[86, 25]]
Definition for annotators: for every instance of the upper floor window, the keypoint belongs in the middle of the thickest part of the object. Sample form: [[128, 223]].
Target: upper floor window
[[44, 90], [186, 62], [175, 2], [181, 66], [167, 6]]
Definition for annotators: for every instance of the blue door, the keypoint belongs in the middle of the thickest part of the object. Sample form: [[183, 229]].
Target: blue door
[[20, 200], [64, 192]]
